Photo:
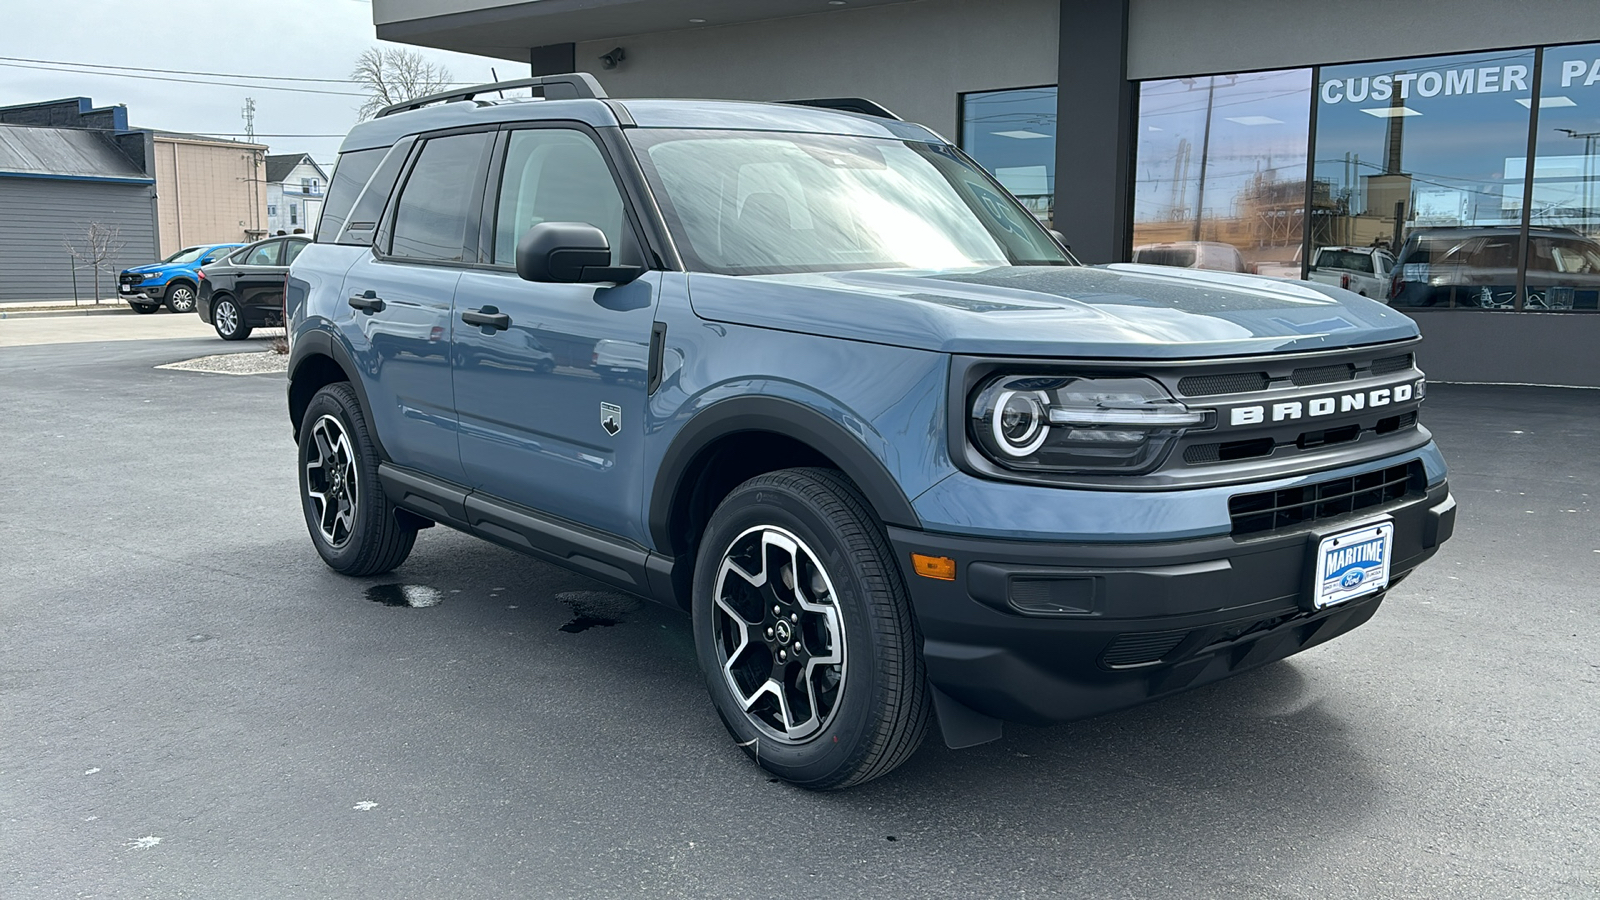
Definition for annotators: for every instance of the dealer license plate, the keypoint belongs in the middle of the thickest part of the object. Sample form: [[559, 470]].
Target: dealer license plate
[[1353, 564]]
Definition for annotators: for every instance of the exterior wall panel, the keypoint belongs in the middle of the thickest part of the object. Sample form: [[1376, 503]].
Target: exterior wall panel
[[914, 58], [209, 192], [1177, 38], [44, 215]]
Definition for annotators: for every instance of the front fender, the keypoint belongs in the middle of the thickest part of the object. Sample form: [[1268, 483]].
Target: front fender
[[837, 434]]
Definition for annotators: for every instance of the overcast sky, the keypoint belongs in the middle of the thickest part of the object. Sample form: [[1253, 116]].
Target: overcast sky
[[300, 38]]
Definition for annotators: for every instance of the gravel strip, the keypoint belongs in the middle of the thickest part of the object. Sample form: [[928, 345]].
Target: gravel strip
[[265, 362]]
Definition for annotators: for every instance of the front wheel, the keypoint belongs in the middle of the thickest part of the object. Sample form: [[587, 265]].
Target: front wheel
[[180, 298], [227, 318], [352, 523], [805, 634]]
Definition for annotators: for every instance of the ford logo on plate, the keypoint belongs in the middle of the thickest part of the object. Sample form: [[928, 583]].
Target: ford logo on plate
[[1353, 578]]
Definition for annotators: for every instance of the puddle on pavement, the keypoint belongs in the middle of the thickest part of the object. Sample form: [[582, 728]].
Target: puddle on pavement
[[417, 596], [592, 609]]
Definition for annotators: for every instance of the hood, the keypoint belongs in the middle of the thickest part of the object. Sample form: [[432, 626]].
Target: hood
[[1108, 312], [153, 268]]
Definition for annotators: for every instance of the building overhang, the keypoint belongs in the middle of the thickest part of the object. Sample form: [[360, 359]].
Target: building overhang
[[507, 30]]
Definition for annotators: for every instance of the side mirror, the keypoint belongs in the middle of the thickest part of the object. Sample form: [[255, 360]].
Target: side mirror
[[1060, 239], [209, 259], [569, 253]]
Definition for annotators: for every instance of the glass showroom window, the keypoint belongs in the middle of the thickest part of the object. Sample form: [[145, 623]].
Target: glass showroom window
[[1013, 135], [1220, 172], [1426, 157], [1564, 234]]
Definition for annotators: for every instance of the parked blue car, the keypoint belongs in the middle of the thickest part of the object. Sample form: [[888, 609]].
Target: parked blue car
[[172, 280], [904, 461]]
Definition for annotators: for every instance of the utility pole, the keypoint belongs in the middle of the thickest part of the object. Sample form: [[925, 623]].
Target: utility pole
[[249, 116]]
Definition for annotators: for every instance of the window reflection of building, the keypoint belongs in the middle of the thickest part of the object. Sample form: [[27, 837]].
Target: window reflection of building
[[1221, 161], [1563, 250], [1012, 134]]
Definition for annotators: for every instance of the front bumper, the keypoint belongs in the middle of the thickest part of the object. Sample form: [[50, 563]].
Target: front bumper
[[143, 289], [1040, 632]]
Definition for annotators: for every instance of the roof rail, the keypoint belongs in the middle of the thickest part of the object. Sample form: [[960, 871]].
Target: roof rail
[[848, 104], [574, 86]]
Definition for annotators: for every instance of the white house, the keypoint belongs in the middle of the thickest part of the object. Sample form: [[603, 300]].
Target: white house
[[296, 186]]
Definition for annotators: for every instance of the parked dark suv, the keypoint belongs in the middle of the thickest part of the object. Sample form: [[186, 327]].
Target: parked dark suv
[[899, 456], [1477, 267], [245, 290]]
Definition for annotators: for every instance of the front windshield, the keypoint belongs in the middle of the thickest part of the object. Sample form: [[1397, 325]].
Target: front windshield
[[189, 254], [749, 202]]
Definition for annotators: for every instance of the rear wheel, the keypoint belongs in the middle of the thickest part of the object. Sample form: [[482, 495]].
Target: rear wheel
[[228, 319], [804, 632], [180, 298], [352, 523]]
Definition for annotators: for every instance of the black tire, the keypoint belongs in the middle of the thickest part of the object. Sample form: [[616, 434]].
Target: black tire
[[145, 309], [228, 319], [372, 540], [880, 708], [180, 297]]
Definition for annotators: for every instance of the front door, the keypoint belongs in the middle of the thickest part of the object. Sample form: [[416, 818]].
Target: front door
[[542, 424]]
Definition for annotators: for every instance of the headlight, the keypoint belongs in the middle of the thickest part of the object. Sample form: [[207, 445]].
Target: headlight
[[1065, 423]]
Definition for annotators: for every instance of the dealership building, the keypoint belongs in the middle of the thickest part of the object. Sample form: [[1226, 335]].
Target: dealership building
[[1275, 128]]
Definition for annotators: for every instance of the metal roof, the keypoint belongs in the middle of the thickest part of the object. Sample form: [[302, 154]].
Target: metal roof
[[71, 153]]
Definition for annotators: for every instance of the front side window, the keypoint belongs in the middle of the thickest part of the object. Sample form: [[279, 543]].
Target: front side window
[[554, 175], [186, 255], [291, 249], [743, 203], [431, 219]]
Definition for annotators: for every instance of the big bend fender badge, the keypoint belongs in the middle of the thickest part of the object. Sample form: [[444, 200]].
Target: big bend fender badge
[[611, 418]]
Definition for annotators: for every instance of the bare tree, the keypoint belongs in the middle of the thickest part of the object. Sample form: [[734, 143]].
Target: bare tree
[[394, 75], [99, 245]]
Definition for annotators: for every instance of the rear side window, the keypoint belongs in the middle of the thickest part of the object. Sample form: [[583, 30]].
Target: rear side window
[[431, 218], [291, 249], [350, 175], [363, 220], [264, 255]]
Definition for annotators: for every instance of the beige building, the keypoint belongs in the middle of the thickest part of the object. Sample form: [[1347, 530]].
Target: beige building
[[208, 190]]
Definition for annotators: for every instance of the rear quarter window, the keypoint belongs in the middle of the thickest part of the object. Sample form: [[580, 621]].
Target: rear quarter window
[[350, 175]]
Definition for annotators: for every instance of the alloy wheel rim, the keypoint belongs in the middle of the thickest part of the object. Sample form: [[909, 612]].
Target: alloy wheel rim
[[778, 633], [331, 481], [227, 317], [183, 299]]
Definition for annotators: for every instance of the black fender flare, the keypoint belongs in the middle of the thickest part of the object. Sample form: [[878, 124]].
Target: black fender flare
[[321, 342], [781, 416]]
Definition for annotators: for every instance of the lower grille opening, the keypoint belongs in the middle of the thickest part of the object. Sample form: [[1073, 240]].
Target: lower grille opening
[[1396, 423], [1140, 649], [1291, 507], [1211, 453], [1328, 436]]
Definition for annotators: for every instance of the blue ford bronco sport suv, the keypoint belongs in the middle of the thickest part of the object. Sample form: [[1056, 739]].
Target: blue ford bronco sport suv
[[901, 458]]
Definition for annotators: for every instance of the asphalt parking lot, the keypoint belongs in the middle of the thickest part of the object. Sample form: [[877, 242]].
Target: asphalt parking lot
[[191, 705]]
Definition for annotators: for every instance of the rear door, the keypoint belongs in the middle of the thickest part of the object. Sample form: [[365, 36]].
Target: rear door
[[400, 297], [258, 282]]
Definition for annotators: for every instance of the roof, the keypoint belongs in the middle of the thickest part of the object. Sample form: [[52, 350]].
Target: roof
[[279, 165], [717, 114], [69, 153]]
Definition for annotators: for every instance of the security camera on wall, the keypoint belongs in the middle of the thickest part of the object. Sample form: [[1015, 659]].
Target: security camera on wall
[[613, 59]]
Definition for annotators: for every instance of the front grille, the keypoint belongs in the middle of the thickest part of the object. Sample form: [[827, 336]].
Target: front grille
[[1234, 383], [1140, 648], [1391, 364], [1323, 375], [132, 279], [1290, 507]]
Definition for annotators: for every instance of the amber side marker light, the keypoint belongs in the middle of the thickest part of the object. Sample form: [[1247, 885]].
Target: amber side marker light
[[940, 567]]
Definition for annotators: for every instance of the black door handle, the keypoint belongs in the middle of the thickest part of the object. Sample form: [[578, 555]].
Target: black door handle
[[488, 317], [367, 302]]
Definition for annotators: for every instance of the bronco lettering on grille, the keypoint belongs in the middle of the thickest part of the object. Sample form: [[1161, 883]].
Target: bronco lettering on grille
[[1289, 410]]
